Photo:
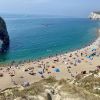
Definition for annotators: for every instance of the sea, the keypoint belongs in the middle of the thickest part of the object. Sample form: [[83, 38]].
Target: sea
[[32, 38]]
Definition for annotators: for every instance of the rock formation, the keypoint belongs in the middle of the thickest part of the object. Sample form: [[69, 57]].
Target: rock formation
[[4, 37], [95, 16]]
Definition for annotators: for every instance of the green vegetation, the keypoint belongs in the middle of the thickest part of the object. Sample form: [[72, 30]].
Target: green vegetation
[[86, 88]]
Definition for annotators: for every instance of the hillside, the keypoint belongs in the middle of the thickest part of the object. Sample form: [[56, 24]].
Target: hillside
[[84, 87]]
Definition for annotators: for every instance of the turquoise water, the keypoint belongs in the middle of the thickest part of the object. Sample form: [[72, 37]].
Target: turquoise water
[[32, 38]]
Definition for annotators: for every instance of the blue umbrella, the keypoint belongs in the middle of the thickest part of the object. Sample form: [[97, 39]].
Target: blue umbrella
[[57, 70], [94, 49]]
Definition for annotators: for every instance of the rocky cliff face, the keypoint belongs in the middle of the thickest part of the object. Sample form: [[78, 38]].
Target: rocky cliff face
[[95, 16], [4, 37]]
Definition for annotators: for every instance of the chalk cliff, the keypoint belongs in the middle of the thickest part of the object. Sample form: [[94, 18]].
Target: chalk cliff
[[95, 16]]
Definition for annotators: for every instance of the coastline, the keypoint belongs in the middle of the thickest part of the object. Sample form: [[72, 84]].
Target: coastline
[[27, 60], [63, 66], [87, 34]]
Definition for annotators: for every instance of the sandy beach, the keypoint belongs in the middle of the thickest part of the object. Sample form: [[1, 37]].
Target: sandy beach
[[64, 66]]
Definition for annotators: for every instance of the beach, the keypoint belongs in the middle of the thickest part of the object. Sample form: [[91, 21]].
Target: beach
[[64, 66]]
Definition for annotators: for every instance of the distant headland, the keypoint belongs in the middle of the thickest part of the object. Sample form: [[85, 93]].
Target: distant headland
[[95, 15]]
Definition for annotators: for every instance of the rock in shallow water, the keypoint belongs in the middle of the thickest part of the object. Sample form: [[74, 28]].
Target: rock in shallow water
[[4, 37]]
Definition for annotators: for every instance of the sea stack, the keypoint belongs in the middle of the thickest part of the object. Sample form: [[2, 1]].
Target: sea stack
[[4, 37]]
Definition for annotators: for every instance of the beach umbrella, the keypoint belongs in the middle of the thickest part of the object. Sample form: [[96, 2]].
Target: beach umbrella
[[88, 56], [57, 70], [94, 49]]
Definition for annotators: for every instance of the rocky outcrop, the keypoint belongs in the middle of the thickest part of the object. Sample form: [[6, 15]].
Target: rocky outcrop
[[95, 16], [4, 37]]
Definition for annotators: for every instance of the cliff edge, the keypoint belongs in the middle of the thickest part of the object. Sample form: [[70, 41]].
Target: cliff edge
[[94, 15], [4, 37]]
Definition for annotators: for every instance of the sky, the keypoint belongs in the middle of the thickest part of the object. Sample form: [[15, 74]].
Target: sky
[[70, 8]]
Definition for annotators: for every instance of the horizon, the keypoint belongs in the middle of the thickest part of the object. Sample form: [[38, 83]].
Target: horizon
[[57, 8]]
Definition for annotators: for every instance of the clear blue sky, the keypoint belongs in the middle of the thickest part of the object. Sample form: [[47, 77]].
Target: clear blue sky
[[73, 8]]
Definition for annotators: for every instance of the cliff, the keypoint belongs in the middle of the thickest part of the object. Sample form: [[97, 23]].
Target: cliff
[[4, 37], [95, 16]]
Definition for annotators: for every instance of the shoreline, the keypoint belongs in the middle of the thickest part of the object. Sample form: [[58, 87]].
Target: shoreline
[[63, 66], [22, 61]]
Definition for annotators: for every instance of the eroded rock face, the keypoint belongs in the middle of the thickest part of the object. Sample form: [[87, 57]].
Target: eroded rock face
[[4, 37], [94, 15]]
